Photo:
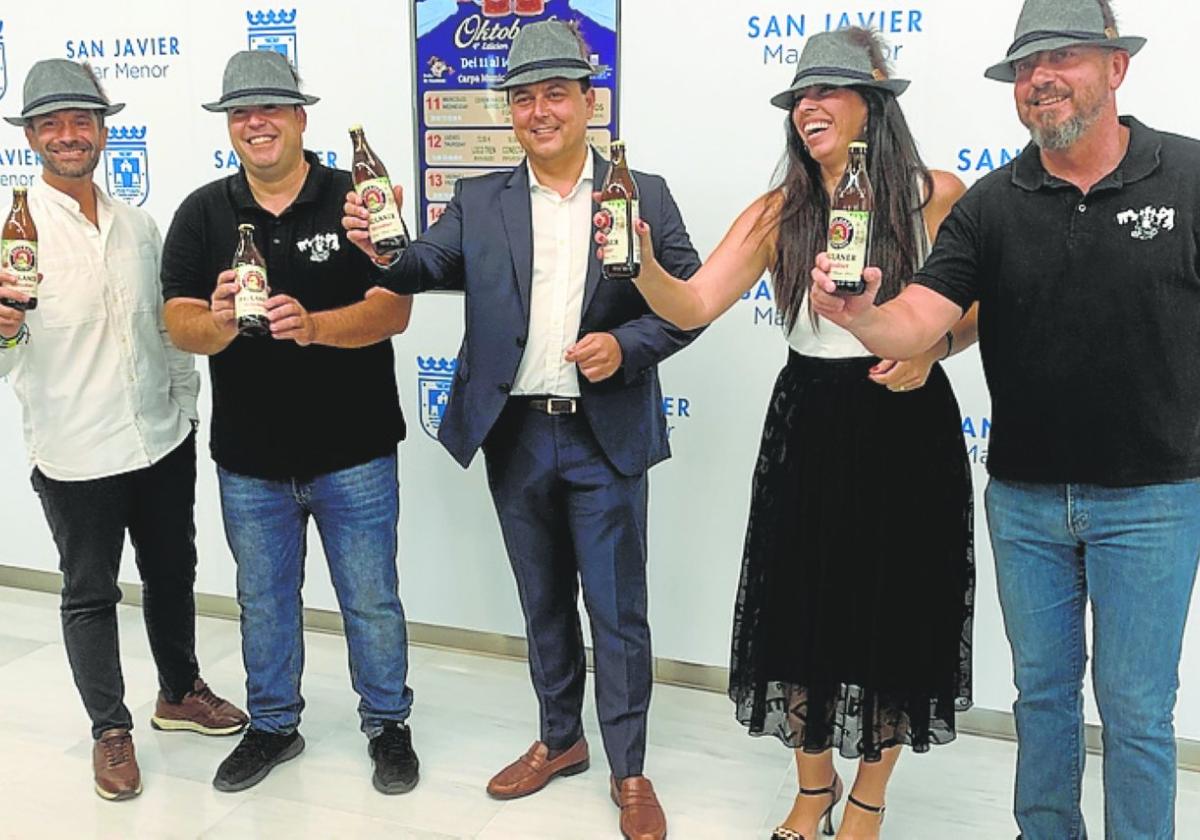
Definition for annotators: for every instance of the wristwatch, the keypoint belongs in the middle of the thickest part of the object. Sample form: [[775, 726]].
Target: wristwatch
[[22, 337]]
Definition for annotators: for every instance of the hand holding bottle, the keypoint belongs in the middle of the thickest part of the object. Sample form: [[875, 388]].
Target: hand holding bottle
[[221, 304], [11, 317]]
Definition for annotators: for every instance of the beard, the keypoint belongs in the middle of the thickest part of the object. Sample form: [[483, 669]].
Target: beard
[[74, 169], [1055, 137]]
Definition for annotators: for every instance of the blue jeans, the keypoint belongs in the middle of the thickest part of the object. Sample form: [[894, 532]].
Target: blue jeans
[[1132, 551], [356, 511]]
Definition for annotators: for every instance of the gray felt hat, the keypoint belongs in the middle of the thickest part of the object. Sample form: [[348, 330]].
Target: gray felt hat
[[1051, 24], [258, 77], [548, 49], [834, 58], [57, 84]]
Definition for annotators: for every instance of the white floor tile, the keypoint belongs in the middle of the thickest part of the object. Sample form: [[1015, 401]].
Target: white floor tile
[[472, 716]]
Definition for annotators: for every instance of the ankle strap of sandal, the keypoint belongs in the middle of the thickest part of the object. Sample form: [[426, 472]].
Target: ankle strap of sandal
[[870, 809], [830, 788]]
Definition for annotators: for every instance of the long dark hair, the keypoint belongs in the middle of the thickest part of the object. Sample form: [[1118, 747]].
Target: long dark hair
[[798, 206]]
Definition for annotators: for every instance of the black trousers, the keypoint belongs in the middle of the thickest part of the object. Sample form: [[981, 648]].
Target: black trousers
[[88, 520]]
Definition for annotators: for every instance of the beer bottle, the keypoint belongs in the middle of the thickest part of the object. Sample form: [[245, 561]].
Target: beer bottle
[[18, 249], [851, 207], [619, 198], [388, 232], [250, 302]]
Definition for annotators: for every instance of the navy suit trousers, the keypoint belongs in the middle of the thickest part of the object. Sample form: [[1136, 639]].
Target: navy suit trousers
[[569, 517]]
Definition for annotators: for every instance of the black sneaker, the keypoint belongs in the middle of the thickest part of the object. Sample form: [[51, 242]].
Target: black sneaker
[[396, 764], [253, 758]]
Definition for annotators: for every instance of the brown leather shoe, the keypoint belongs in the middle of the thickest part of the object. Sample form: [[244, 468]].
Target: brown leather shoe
[[115, 766], [534, 770], [642, 818], [199, 711]]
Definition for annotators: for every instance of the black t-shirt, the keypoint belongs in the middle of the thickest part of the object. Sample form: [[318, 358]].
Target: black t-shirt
[[1089, 314], [280, 410]]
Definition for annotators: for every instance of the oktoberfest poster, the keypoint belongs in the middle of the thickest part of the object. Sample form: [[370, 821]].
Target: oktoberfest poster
[[463, 127]]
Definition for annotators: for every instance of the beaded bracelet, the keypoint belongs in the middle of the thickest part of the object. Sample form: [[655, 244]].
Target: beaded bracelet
[[22, 337]]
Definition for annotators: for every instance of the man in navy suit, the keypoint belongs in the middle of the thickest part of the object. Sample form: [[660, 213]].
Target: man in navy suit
[[557, 382]]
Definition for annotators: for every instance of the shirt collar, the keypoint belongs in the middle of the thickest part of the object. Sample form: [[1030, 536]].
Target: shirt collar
[[45, 192], [587, 174], [1141, 159], [244, 198]]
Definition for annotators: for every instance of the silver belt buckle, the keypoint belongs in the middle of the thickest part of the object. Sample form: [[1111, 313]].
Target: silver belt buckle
[[560, 405]]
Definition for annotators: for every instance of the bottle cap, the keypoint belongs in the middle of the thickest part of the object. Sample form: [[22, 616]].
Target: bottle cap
[[356, 127], [858, 144], [245, 227], [20, 189]]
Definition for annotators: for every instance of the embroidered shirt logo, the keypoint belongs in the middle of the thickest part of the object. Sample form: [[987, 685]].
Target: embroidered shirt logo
[[1148, 222], [320, 246]]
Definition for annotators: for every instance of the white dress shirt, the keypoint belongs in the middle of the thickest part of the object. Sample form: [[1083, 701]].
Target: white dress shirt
[[562, 228], [102, 389]]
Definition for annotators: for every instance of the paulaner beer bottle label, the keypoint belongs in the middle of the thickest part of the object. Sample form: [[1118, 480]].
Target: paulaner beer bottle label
[[385, 226], [19, 256], [849, 231], [250, 301], [619, 199], [851, 206], [384, 223], [621, 239], [18, 249], [251, 298]]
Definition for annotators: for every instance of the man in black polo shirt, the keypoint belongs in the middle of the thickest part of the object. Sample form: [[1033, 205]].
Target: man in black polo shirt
[[305, 422], [1082, 256]]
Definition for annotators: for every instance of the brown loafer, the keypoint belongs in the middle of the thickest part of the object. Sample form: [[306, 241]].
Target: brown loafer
[[534, 770], [115, 766], [199, 711], [642, 818]]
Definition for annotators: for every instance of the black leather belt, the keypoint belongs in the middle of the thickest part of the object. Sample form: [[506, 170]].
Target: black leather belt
[[553, 405]]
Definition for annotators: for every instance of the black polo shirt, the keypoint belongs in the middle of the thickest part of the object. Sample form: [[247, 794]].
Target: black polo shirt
[[1089, 313], [281, 410]]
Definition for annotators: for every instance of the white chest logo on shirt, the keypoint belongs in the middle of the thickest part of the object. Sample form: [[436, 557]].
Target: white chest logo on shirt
[[320, 246], [1147, 222]]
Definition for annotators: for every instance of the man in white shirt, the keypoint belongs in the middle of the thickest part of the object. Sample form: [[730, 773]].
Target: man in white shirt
[[557, 383], [109, 410]]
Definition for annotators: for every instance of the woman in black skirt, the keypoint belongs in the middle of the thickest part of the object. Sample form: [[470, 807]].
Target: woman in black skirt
[[852, 627]]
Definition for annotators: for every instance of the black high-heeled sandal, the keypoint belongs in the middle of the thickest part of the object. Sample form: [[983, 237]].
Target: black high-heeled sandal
[[834, 789], [878, 810]]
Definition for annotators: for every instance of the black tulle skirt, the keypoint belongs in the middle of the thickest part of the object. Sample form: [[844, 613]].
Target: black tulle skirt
[[852, 628]]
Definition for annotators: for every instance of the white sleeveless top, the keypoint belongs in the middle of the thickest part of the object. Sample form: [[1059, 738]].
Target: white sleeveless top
[[827, 340]]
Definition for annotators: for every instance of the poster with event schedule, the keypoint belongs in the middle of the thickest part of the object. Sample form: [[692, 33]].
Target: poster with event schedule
[[463, 126]]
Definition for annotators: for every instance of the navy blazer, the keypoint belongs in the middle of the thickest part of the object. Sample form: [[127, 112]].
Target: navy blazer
[[483, 245]]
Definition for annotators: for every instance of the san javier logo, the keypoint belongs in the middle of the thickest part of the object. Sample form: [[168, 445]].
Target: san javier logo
[[274, 31], [228, 159], [778, 33], [972, 159], [434, 378], [19, 166], [126, 56], [127, 165], [676, 410], [976, 431], [762, 300]]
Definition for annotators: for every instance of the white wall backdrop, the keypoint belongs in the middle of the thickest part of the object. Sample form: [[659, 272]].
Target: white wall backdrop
[[696, 78]]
